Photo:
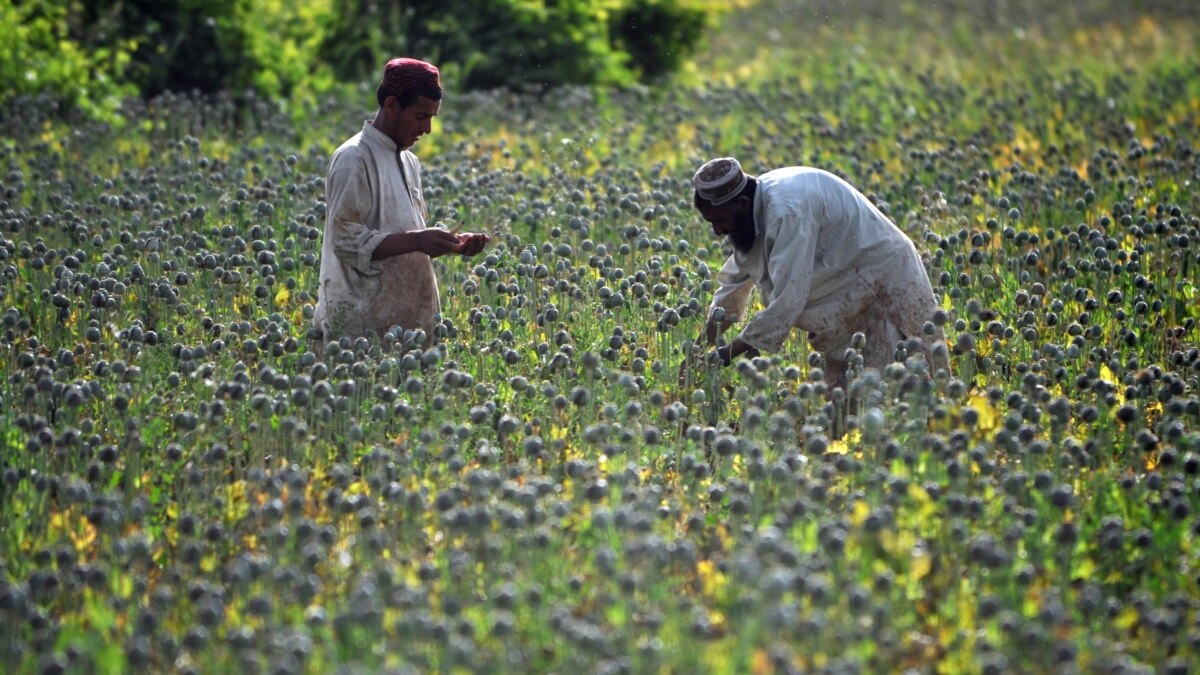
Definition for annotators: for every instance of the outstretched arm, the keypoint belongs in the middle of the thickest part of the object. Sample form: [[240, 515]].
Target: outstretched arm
[[793, 249], [432, 241], [730, 299]]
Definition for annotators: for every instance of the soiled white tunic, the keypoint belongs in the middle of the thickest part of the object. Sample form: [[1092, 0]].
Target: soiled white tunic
[[827, 261], [373, 189]]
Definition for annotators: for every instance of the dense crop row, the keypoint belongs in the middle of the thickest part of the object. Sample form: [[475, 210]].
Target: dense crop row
[[190, 482]]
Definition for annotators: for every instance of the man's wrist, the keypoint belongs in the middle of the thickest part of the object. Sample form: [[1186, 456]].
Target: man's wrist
[[725, 354], [734, 350]]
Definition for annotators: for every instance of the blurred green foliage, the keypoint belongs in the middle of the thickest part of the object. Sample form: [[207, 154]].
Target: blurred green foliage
[[41, 51], [88, 55], [193, 44], [658, 34]]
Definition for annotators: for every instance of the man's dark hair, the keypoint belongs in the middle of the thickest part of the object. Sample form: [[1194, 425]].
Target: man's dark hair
[[409, 96]]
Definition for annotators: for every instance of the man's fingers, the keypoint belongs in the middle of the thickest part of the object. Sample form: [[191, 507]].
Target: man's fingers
[[437, 242], [467, 244], [472, 243]]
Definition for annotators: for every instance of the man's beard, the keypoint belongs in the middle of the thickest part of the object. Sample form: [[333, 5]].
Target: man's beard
[[742, 238]]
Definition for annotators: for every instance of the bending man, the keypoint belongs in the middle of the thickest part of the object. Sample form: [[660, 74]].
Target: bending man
[[825, 260]]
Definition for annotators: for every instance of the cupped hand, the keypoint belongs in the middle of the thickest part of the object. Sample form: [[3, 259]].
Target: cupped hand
[[434, 242], [471, 243]]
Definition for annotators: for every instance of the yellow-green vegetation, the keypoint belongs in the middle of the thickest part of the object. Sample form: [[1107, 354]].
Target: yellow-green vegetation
[[190, 483]]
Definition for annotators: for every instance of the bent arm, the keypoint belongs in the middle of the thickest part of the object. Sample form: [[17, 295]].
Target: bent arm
[[734, 286], [790, 265], [349, 197], [432, 241]]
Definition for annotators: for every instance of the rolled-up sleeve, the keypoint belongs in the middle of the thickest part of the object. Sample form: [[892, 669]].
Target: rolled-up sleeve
[[790, 265], [734, 286], [349, 198]]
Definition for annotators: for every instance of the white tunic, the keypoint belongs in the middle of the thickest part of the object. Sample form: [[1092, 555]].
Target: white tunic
[[373, 189], [827, 261]]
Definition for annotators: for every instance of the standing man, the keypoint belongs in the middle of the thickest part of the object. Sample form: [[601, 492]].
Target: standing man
[[824, 259], [376, 258]]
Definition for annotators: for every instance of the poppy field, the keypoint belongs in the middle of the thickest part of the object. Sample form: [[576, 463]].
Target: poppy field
[[191, 482]]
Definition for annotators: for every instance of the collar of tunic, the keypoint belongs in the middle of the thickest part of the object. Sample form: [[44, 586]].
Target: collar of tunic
[[377, 137]]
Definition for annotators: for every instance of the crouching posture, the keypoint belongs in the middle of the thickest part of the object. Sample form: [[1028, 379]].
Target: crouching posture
[[825, 260]]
